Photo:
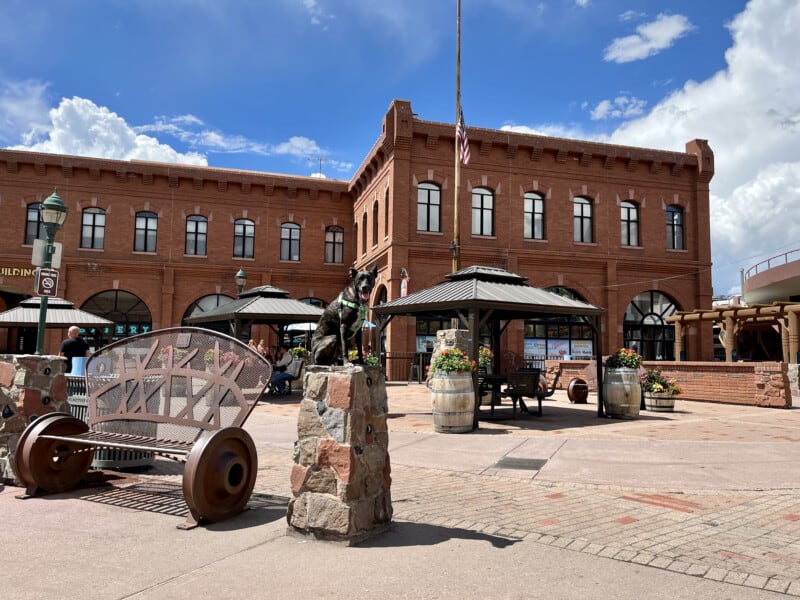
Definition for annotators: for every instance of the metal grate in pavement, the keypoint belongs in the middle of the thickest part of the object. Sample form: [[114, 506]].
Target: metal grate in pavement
[[524, 464]]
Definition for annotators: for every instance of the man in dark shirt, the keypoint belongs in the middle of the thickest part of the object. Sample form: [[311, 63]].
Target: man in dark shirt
[[73, 346]]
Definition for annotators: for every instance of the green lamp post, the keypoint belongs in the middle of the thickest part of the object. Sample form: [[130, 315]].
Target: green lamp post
[[241, 280], [53, 213]]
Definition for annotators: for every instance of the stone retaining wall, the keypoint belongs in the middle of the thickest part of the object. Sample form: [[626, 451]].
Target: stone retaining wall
[[30, 386]]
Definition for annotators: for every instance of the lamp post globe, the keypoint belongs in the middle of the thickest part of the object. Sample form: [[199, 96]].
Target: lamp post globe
[[241, 280], [53, 213]]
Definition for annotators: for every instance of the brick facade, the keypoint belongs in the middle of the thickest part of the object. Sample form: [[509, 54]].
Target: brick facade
[[377, 211]]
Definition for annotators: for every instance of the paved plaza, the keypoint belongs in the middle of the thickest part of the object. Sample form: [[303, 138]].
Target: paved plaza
[[699, 503]]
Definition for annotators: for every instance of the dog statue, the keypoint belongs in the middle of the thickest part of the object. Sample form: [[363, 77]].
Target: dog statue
[[342, 320]]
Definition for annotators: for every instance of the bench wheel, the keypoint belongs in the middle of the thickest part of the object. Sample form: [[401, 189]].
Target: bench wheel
[[219, 475], [52, 465]]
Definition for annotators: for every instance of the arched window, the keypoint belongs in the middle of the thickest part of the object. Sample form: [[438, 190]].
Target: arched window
[[204, 304], [197, 235], [482, 211], [675, 228], [146, 232], [375, 223], [93, 228], [429, 199], [386, 213], [364, 233], [629, 222], [128, 312], [244, 237], [290, 241], [645, 329], [583, 228], [533, 216], [334, 245], [355, 235], [34, 226]]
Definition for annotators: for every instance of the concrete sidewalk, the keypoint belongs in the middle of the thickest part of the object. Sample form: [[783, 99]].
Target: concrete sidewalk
[[699, 503]]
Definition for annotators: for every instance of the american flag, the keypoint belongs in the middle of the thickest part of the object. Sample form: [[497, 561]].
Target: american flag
[[463, 142]]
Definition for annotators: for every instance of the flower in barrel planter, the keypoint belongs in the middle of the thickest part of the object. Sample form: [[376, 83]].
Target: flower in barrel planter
[[654, 382], [624, 358], [451, 360], [659, 391], [452, 393]]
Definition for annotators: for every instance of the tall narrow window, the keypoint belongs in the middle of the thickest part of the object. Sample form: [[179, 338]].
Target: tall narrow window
[[429, 198], [582, 220], [533, 215], [364, 233], [629, 221], [334, 245], [482, 211], [675, 228], [386, 213], [244, 237], [375, 223], [93, 228], [290, 241], [146, 230], [196, 235], [34, 227]]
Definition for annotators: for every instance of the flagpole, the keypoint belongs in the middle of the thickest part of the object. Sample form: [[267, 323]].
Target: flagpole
[[456, 245]]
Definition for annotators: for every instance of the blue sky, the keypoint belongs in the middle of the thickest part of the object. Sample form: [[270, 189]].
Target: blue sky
[[277, 85]]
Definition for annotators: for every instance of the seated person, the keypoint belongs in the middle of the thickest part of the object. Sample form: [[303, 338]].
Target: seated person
[[281, 379]]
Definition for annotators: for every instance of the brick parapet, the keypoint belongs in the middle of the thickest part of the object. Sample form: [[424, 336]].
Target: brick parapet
[[769, 384]]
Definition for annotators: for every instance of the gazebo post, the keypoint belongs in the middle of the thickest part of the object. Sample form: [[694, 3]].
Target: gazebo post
[[474, 332]]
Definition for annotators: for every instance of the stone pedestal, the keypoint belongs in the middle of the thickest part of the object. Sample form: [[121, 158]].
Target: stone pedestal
[[30, 386], [341, 480]]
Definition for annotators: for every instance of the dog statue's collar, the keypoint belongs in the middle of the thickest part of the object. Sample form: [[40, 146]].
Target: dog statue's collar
[[361, 308]]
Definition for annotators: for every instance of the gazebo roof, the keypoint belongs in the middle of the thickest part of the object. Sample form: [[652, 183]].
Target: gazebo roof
[[60, 314], [490, 288], [262, 304]]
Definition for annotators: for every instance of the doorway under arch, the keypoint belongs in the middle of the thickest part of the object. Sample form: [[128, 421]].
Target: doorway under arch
[[128, 312]]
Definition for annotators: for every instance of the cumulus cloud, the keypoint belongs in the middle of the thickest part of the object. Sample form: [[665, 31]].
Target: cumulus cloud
[[750, 114], [621, 107], [80, 127], [649, 39], [316, 13]]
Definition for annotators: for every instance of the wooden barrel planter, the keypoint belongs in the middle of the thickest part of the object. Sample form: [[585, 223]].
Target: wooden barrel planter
[[453, 402], [622, 393], [659, 402]]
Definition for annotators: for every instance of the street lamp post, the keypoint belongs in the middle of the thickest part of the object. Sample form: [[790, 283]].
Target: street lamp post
[[241, 280], [53, 213]]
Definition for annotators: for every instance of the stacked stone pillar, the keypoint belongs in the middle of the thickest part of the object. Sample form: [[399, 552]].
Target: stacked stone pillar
[[30, 386], [341, 479]]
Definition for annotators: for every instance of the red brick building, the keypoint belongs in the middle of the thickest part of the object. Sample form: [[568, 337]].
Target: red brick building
[[145, 243]]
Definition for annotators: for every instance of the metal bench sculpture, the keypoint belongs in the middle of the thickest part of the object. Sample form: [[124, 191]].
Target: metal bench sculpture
[[523, 384], [183, 393]]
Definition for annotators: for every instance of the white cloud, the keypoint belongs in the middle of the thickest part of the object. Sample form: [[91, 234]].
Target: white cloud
[[23, 110], [631, 15], [621, 107], [317, 14], [649, 39], [582, 3], [549, 129], [80, 127], [750, 114]]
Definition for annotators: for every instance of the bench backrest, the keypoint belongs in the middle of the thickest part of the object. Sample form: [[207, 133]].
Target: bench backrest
[[184, 379], [524, 383]]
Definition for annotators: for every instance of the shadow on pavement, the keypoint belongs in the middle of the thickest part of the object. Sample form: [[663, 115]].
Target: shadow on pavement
[[422, 534]]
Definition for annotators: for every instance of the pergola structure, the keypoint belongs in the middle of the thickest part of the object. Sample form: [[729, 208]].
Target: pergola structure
[[480, 295], [783, 316]]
